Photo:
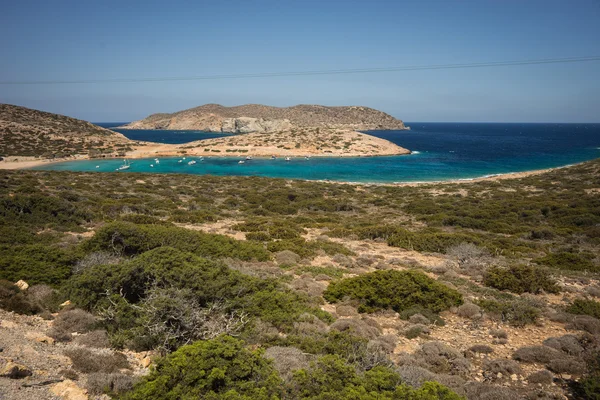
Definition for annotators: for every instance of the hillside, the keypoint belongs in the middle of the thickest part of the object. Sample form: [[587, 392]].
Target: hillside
[[260, 118], [321, 290], [26, 132]]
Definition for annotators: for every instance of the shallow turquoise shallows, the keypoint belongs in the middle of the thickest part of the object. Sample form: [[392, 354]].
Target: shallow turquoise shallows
[[442, 151]]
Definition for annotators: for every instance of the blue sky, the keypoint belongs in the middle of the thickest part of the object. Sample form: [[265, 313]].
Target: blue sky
[[70, 40]]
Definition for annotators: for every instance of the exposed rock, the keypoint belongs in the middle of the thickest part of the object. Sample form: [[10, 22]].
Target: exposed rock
[[38, 337], [259, 118], [66, 303], [21, 284], [68, 390], [13, 370]]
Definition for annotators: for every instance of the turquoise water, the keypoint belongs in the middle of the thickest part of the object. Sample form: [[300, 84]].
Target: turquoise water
[[442, 151]]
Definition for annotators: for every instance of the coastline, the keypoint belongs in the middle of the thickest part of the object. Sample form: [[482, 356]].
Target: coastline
[[27, 163]]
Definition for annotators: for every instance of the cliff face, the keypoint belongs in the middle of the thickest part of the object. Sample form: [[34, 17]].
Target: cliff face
[[260, 118], [27, 132]]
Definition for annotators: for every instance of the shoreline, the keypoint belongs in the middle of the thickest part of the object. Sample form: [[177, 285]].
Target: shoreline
[[27, 164]]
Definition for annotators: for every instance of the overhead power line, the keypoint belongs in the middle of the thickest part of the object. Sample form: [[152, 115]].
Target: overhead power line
[[314, 72]]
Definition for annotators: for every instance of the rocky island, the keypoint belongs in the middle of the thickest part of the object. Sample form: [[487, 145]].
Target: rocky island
[[260, 118]]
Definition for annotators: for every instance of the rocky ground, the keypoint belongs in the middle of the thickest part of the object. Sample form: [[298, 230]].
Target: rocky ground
[[34, 366]]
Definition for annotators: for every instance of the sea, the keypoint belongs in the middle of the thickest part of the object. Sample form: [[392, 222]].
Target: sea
[[441, 151]]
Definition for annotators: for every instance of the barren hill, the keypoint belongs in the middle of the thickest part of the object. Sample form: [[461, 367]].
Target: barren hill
[[260, 118], [28, 133]]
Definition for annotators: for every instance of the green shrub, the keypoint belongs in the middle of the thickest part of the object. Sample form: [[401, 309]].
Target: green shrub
[[516, 312], [585, 307], [519, 279], [36, 263], [568, 261], [130, 239], [331, 378], [398, 290], [429, 241], [124, 288], [212, 369]]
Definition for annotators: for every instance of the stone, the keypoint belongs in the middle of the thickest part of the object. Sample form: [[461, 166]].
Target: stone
[[146, 361], [66, 303], [13, 370], [21, 284], [38, 337], [7, 324], [514, 377], [68, 390]]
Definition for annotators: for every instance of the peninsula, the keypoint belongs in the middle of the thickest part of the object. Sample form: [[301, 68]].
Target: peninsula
[[260, 118]]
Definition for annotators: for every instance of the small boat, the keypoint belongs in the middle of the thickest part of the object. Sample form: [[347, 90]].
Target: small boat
[[249, 158], [273, 157], [241, 162], [151, 165], [287, 159], [125, 165], [157, 161], [183, 158], [97, 166], [307, 158], [192, 162], [180, 161]]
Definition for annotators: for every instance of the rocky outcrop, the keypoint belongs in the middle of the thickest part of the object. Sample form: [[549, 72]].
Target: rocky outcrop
[[259, 118]]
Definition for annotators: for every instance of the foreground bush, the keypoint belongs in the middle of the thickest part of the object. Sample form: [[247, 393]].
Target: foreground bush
[[520, 279], [223, 368], [130, 239], [515, 312], [212, 369], [398, 290], [166, 297]]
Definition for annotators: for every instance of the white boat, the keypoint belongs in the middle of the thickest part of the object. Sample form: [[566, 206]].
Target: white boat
[[249, 158], [97, 166], [151, 165], [180, 161], [241, 162], [125, 165], [157, 161], [273, 157], [192, 162], [287, 159]]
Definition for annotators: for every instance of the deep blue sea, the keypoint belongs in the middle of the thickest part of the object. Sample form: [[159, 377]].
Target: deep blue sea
[[442, 151]]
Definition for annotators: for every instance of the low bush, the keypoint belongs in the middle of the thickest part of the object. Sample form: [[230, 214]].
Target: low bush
[[585, 307], [99, 383], [537, 354], [87, 361], [442, 358], [481, 349], [428, 241], [499, 333], [567, 365], [469, 310], [544, 377], [286, 360], [393, 289], [567, 343], [71, 321], [97, 339], [501, 366], [515, 312], [585, 323], [520, 279]]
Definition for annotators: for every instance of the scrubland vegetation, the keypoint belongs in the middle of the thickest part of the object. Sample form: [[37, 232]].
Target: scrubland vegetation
[[262, 288]]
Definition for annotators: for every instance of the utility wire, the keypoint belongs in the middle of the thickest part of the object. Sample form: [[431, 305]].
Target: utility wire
[[314, 72]]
